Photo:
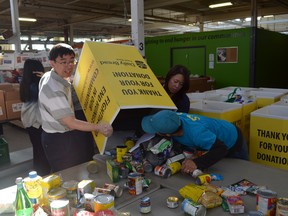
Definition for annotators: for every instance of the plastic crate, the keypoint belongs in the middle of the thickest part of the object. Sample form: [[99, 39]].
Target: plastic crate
[[269, 136], [220, 110], [264, 98], [4, 152], [199, 96]]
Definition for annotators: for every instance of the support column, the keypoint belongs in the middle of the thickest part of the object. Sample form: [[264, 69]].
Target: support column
[[137, 28], [252, 77], [71, 35], [15, 24]]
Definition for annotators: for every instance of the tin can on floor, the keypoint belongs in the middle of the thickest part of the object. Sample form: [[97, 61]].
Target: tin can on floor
[[60, 208], [282, 207], [192, 208], [266, 202], [134, 184], [145, 205], [162, 171], [172, 202], [103, 202]]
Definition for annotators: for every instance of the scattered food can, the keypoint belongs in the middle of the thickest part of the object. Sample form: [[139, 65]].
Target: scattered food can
[[123, 172], [60, 208], [145, 205], [162, 171], [71, 191], [92, 167], [134, 183], [103, 202], [282, 207], [120, 151], [172, 202], [98, 191], [147, 166], [89, 202], [196, 173], [193, 208], [56, 194], [202, 179], [175, 167], [117, 190], [129, 142], [266, 202]]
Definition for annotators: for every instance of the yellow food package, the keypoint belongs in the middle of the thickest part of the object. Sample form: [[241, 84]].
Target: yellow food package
[[210, 199], [192, 191]]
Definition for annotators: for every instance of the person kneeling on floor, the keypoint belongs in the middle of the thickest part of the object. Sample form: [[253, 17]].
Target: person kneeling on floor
[[219, 138]]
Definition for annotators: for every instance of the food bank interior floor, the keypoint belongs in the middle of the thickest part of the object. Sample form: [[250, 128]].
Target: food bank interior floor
[[21, 155]]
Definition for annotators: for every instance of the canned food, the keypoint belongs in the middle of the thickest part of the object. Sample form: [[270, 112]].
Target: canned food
[[92, 167], [202, 179], [89, 202], [129, 143], [162, 171], [172, 202], [175, 167], [196, 173], [120, 151], [117, 190], [98, 191], [60, 208], [134, 184], [147, 166], [71, 191], [266, 202], [192, 208], [103, 202], [56, 194], [145, 205], [282, 207]]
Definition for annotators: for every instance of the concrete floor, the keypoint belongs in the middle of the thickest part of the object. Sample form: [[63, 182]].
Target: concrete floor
[[20, 149]]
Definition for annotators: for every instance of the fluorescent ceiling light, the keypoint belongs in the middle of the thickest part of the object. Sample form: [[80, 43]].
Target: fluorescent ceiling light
[[224, 4], [268, 16], [27, 19]]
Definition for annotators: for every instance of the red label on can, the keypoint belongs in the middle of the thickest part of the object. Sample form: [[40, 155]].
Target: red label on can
[[266, 202], [134, 184]]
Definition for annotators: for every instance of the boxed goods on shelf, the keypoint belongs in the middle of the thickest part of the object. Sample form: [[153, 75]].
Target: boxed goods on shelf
[[269, 137]]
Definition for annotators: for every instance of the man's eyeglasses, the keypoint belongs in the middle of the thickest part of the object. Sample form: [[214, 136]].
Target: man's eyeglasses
[[72, 62]]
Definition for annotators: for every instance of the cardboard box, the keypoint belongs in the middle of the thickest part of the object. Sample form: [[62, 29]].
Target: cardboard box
[[114, 83], [2, 107], [13, 109], [6, 86], [13, 103]]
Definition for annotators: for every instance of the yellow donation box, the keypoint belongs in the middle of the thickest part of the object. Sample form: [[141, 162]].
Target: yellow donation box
[[269, 136], [115, 84]]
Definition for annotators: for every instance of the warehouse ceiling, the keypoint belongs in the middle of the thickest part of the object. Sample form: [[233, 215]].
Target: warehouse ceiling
[[109, 18]]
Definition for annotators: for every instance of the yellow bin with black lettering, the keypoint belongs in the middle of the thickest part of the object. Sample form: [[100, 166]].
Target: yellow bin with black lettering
[[269, 136]]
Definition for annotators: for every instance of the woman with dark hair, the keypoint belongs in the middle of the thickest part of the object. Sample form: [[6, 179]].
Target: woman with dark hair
[[30, 113], [176, 85]]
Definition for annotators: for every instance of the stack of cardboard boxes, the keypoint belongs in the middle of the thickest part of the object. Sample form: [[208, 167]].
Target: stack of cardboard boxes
[[10, 109], [10, 104]]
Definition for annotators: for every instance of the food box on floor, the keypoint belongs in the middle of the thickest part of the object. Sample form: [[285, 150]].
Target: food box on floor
[[269, 136]]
